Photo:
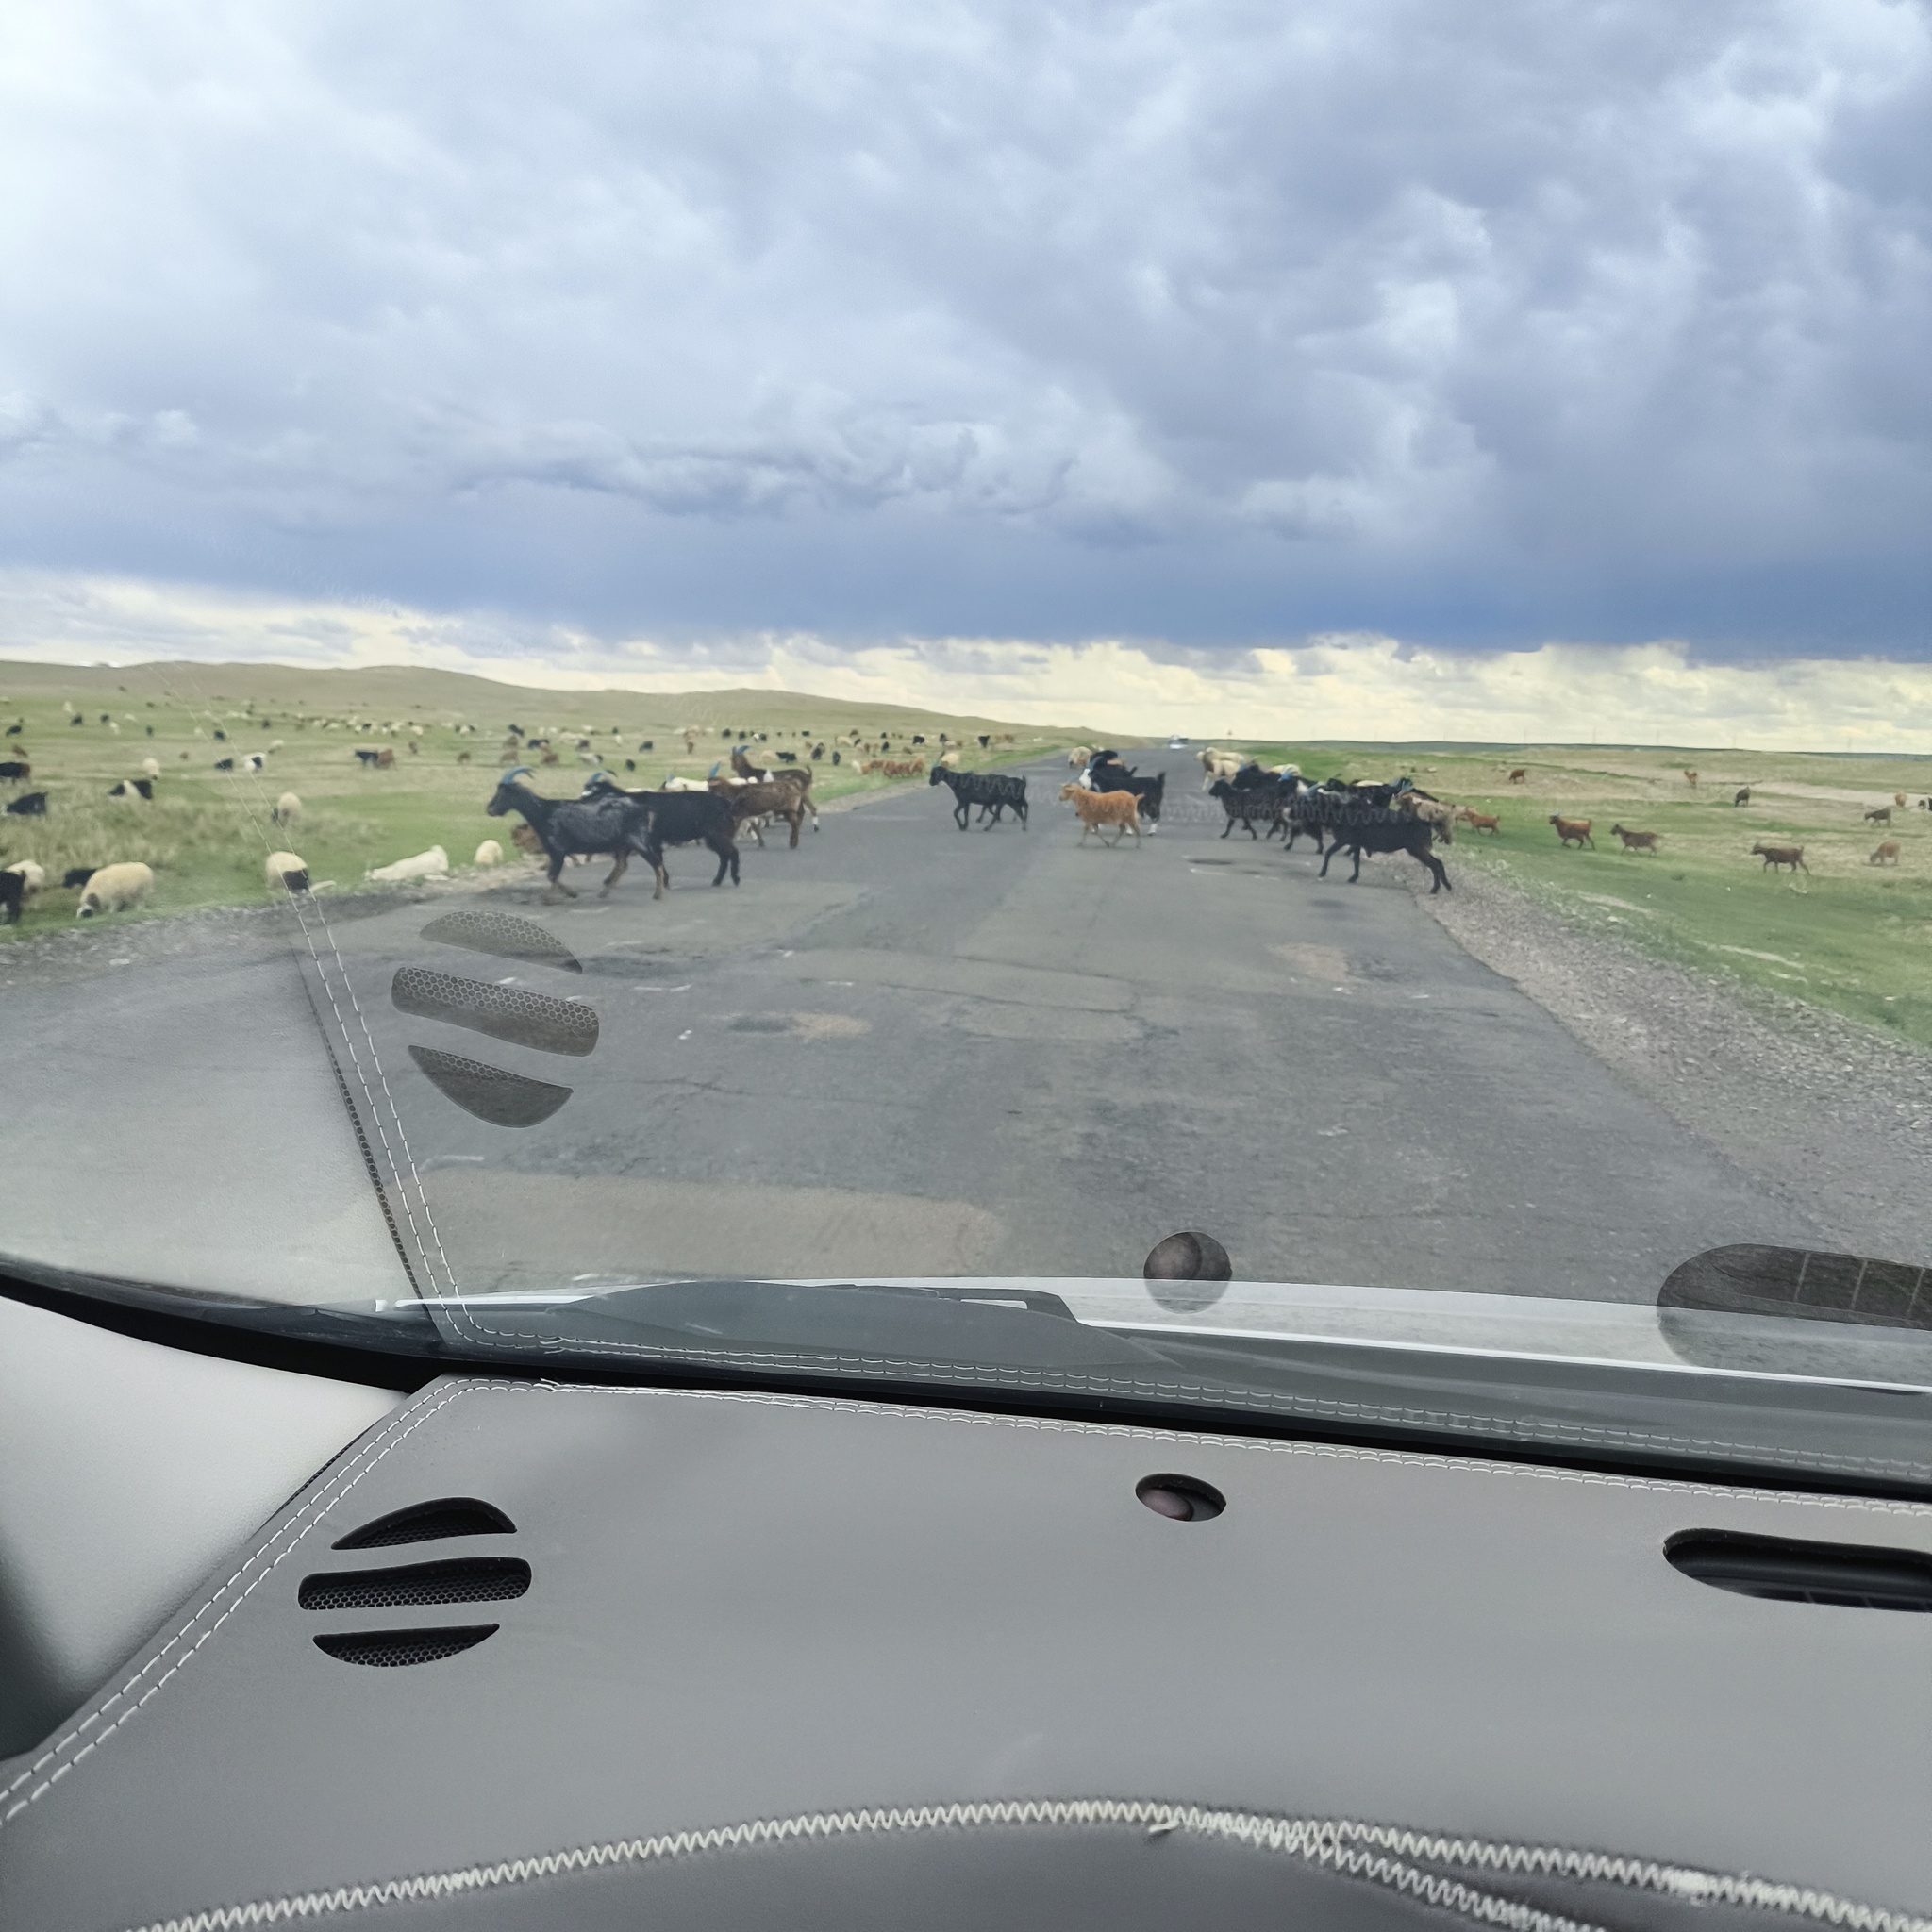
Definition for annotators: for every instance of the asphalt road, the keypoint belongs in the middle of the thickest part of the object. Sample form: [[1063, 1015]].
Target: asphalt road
[[899, 1049]]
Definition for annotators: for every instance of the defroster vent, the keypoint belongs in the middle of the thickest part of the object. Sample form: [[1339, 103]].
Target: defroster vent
[[424, 1522], [391, 1649], [463, 1580]]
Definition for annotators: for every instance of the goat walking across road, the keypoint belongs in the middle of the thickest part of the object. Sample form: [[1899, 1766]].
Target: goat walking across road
[[992, 791], [1356, 827], [677, 818], [1098, 809]]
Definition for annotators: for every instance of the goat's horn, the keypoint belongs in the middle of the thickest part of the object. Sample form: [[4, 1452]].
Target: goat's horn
[[516, 772]]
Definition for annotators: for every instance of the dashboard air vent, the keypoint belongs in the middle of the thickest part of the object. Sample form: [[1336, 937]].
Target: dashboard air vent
[[423, 1522]]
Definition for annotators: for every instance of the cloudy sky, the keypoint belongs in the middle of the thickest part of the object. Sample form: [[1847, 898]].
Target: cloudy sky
[[649, 335]]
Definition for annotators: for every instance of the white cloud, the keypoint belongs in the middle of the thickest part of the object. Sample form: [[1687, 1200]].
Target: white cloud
[[1346, 687], [1474, 324]]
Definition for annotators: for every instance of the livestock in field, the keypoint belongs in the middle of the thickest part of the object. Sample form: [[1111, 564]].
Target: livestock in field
[[992, 791], [1520, 775], [1880, 815], [133, 787], [1743, 795], [77, 876], [19, 883], [1481, 822], [1432, 812], [1898, 798], [286, 872], [1775, 855], [677, 818], [12, 896], [1096, 811], [30, 805], [1637, 841], [116, 889], [18, 770], [1573, 831], [366, 754], [151, 767], [433, 864], [1885, 853], [1691, 779], [489, 853], [1357, 824]]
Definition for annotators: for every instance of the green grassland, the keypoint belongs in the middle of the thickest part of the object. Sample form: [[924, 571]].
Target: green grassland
[[203, 832], [1848, 935]]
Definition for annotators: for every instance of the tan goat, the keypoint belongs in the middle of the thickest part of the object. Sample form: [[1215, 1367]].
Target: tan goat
[[1099, 809]]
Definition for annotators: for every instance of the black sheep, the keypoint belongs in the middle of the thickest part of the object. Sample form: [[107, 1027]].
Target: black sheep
[[30, 805]]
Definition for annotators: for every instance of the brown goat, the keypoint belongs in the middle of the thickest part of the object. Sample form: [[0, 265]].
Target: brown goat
[[1099, 809], [776, 798], [1886, 854], [1880, 815], [1691, 778], [1574, 831], [1481, 822], [1637, 841], [1520, 775], [1792, 856]]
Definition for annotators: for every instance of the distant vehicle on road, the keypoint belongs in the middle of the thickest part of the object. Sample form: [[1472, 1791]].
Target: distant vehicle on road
[[1176, 744]]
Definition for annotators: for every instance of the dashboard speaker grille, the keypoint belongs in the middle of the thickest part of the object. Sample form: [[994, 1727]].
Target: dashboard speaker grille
[[423, 1522], [463, 1580], [394, 1649]]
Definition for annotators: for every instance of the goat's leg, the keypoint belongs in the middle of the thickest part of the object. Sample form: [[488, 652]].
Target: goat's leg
[[1229, 827], [558, 887], [616, 871], [1356, 873], [797, 818]]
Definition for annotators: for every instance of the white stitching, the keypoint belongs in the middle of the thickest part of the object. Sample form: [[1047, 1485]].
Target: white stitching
[[401, 1425], [1379, 1854]]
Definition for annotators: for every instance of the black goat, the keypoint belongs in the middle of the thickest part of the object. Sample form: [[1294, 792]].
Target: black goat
[[77, 876], [133, 787], [992, 791], [569, 826], [16, 769], [1148, 793], [677, 818], [30, 805], [13, 894], [1249, 806], [1357, 828]]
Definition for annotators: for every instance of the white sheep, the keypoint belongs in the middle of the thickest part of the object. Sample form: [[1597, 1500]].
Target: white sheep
[[490, 853], [151, 767], [287, 871], [1077, 756], [116, 889], [433, 864], [287, 810]]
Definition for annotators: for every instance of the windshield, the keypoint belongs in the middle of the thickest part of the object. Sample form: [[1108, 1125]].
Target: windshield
[[1247, 781]]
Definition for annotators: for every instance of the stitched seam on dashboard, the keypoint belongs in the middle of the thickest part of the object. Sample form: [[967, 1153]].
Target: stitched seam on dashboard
[[1381, 1855], [1338, 1452], [1541, 1434], [403, 1425]]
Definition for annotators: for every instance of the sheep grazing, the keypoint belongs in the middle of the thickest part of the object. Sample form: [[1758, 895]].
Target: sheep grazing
[[1520, 775], [490, 853], [76, 875], [116, 889], [1573, 831], [1743, 796], [19, 884], [1096, 811], [30, 805], [462, 757], [151, 767], [1880, 815], [286, 872], [366, 754], [133, 787], [18, 770], [1637, 841], [1898, 798], [1691, 779], [288, 811], [385, 758], [1885, 853], [433, 864], [1774, 855]]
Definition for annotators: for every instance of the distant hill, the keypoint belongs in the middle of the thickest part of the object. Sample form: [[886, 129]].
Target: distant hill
[[390, 690]]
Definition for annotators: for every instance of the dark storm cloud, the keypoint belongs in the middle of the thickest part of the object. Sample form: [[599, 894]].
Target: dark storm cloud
[[1206, 322]]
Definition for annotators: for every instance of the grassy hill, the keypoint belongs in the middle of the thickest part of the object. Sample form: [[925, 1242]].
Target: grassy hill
[[204, 834]]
